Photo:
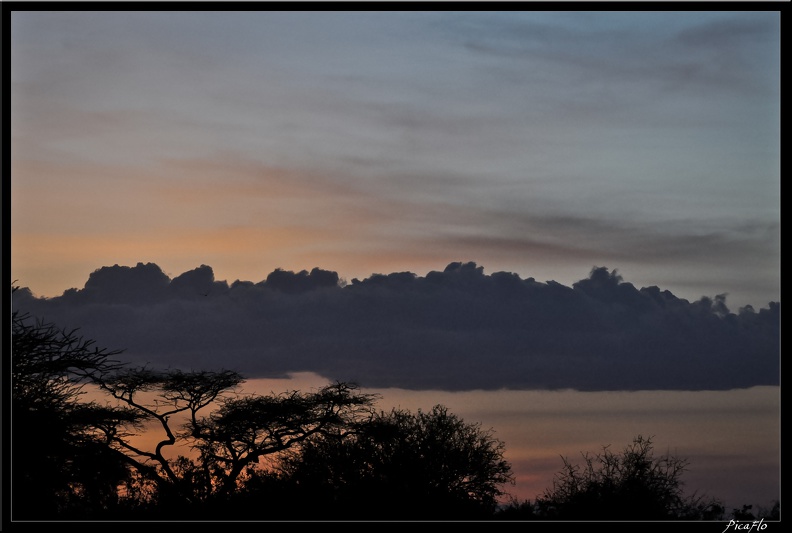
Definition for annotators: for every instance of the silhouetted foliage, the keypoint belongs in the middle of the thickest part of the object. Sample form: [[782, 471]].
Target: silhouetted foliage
[[61, 463], [230, 438], [746, 512], [400, 465], [80, 459], [633, 485]]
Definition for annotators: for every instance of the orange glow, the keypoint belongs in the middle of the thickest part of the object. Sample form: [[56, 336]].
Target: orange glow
[[538, 427], [242, 218]]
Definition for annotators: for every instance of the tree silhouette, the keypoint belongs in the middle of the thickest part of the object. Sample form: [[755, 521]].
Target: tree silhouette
[[400, 465], [230, 438]]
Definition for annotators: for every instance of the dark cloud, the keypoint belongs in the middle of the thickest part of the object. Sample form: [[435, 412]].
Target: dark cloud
[[290, 282], [133, 285], [459, 329]]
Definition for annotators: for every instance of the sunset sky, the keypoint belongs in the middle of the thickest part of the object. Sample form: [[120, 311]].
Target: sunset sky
[[575, 214], [539, 143]]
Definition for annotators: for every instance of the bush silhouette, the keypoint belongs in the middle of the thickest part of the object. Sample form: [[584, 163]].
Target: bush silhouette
[[633, 485]]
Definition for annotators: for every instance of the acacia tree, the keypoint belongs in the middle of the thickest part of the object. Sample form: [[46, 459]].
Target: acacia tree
[[156, 398], [400, 465], [230, 433], [633, 485], [77, 458], [245, 429]]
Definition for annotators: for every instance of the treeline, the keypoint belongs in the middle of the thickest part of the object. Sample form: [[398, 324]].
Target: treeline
[[329, 454]]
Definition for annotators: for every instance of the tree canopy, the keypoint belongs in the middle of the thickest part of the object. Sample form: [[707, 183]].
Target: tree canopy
[[403, 465]]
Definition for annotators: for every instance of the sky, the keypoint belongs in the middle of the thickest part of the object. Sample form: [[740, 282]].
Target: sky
[[538, 143], [563, 224]]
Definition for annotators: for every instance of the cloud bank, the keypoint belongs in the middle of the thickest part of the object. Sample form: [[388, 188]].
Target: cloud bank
[[455, 330]]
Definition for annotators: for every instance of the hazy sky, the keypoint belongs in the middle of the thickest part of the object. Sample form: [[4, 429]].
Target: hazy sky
[[538, 143]]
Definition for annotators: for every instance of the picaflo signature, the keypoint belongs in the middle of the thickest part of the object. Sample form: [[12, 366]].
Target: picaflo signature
[[745, 526]]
